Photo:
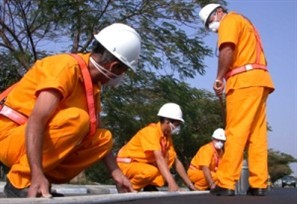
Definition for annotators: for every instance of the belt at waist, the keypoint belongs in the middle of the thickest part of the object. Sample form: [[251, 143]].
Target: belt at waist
[[244, 68]]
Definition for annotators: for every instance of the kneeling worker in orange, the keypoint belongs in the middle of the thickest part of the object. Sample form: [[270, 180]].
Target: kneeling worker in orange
[[203, 167], [49, 132], [147, 158]]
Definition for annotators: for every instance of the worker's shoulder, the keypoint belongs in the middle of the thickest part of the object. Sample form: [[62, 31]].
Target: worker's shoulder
[[60, 57], [206, 147]]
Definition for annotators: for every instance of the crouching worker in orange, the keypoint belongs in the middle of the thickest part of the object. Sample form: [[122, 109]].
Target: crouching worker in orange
[[55, 134], [203, 167], [147, 158]]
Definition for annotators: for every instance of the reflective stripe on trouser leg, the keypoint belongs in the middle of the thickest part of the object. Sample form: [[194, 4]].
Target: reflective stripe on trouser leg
[[243, 109], [66, 129]]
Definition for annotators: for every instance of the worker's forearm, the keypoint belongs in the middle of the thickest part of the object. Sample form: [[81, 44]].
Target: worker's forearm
[[34, 143], [207, 175], [110, 162], [225, 61], [182, 172], [165, 171]]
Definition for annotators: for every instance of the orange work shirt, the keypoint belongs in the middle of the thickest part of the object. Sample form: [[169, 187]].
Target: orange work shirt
[[141, 146], [206, 156], [236, 29], [60, 72]]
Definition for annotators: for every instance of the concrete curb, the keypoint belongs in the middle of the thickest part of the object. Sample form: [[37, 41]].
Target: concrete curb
[[107, 198], [93, 194]]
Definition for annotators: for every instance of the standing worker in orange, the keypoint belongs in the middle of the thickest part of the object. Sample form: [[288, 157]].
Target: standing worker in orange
[[243, 73], [147, 158], [49, 130], [203, 167]]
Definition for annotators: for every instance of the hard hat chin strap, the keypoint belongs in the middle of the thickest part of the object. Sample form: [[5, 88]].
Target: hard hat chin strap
[[103, 70]]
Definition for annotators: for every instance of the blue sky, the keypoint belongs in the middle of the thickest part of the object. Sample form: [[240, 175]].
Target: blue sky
[[276, 21]]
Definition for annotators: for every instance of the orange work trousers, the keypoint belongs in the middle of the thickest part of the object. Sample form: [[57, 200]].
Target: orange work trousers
[[142, 174], [66, 149], [197, 177], [246, 127]]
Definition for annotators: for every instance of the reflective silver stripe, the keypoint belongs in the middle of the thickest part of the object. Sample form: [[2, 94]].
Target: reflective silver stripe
[[13, 115]]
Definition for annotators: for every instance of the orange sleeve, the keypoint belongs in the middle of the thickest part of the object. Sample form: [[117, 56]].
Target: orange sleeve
[[236, 29], [60, 72], [150, 139], [142, 144], [204, 156]]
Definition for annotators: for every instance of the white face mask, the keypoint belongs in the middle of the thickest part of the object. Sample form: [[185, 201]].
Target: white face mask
[[114, 80], [218, 144], [174, 130], [214, 25]]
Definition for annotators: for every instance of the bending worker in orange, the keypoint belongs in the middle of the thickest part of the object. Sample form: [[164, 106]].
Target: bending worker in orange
[[147, 158], [59, 98], [203, 167], [242, 66]]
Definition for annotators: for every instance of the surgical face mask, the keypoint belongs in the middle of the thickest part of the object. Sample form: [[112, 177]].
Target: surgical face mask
[[174, 130], [214, 25], [114, 80], [218, 144]]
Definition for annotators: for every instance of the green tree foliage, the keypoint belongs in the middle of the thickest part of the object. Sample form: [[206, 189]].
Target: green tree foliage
[[169, 29], [278, 164]]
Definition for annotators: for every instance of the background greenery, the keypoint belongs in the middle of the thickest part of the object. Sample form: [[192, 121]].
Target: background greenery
[[173, 51]]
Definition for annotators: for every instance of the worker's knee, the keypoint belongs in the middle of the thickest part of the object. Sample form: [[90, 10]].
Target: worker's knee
[[73, 121], [149, 173], [102, 139]]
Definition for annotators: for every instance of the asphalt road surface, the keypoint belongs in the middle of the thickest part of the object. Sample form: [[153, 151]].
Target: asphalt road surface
[[276, 196]]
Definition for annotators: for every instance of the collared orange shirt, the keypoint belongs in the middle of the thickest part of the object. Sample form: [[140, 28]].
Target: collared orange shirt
[[206, 156], [236, 29], [141, 146], [60, 72]]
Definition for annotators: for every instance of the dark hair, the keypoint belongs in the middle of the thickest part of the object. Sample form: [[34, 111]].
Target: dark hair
[[97, 47], [107, 57], [162, 120]]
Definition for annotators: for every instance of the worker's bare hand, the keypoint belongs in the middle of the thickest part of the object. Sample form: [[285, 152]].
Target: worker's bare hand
[[39, 187], [192, 187], [219, 87], [123, 184], [173, 187]]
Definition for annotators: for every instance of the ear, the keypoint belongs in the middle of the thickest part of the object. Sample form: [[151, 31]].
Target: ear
[[114, 63]]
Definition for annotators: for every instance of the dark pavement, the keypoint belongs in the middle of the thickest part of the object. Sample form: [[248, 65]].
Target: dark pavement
[[107, 194], [276, 196]]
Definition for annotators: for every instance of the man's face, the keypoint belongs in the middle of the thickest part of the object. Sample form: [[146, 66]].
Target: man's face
[[118, 68], [213, 22]]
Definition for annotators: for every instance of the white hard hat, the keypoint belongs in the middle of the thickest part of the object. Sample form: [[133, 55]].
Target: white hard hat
[[171, 111], [219, 134], [122, 41], [206, 11]]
